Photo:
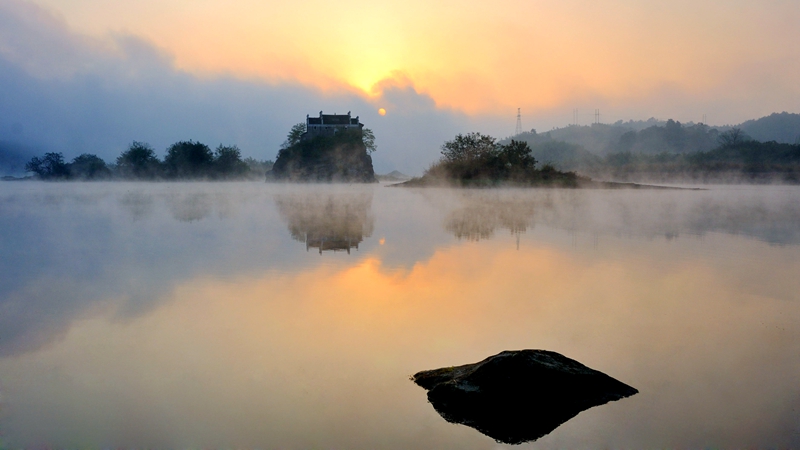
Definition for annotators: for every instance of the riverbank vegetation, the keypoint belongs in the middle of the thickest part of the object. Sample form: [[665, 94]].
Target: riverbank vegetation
[[184, 160]]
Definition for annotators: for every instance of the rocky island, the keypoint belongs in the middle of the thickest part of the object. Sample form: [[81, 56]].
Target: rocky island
[[518, 396], [328, 148]]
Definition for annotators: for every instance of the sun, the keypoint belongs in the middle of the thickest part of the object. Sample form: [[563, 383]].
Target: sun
[[382, 111]]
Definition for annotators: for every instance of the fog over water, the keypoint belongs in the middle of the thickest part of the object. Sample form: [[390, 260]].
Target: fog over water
[[281, 316]]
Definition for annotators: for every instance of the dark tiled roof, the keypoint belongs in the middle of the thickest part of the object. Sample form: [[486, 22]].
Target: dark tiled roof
[[332, 119]]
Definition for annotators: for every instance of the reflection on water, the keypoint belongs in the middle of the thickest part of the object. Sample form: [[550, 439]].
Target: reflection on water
[[485, 211], [771, 216], [138, 204], [185, 315], [328, 222], [189, 207]]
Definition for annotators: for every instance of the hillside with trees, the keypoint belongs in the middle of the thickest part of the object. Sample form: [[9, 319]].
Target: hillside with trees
[[779, 127], [671, 151]]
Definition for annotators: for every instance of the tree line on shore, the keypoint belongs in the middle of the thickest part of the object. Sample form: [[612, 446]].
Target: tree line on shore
[[184, 160]]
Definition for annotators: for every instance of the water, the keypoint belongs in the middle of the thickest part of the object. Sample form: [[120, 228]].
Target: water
[[266, 316]]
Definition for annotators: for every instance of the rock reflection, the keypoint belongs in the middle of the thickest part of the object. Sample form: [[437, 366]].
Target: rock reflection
[[336, 221]]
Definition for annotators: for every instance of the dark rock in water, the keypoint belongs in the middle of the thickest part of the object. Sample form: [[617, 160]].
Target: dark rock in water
[[518, 396]]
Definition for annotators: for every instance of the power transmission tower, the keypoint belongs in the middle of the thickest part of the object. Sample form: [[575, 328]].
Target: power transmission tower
[[597, 116], [518, 130], [575, 117], [704, 120]]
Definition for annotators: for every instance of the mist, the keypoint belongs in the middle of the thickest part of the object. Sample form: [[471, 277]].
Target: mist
[[374, 275], [147, 237]]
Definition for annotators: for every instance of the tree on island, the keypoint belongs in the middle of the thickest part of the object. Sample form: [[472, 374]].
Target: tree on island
[[84, 167], [293, 138], [139, 162], [368, 137], [228, 162], [89, 167], [477, 159], [50, 166], [184, 160], [188, 159]]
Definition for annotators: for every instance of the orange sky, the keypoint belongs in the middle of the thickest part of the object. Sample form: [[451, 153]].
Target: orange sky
[[476, 56]]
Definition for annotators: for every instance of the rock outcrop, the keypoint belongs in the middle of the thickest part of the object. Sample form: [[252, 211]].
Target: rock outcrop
[[339, 158], [518, 396]]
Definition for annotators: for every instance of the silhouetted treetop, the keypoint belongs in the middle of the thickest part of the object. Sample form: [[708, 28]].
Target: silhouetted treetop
[[139, 161], [51, 166], [228, 162], [188, 159], [89, 167], [294, 135]]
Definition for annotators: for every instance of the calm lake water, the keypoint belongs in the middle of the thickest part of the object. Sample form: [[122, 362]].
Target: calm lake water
[[221, 315]]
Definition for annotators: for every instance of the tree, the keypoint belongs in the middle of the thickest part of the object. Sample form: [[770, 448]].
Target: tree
[[258, 168], [48, 167], [294, 135], [139, 161], [468, 148], [369, 140], [732, 137], [189, 159], [228, 162], [88, 167], [517, 155]]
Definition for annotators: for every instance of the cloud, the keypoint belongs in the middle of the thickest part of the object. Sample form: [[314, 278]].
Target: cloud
[[77, 94], [73, 93]]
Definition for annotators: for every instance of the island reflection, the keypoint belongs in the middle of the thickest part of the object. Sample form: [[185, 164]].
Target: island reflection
[[336, 221]]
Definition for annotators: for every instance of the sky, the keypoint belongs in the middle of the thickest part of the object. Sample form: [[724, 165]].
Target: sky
[[99, 74]]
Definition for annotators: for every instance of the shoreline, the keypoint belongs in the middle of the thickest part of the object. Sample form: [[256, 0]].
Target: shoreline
[[581, 184]]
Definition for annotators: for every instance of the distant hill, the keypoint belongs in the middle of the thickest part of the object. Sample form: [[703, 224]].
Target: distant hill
[[604, 139], [779, 127], [598, 139], [670, 149], [579, 147]]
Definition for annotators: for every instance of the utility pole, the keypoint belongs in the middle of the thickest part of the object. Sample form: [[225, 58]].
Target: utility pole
[[518, 130]]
